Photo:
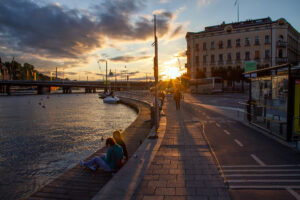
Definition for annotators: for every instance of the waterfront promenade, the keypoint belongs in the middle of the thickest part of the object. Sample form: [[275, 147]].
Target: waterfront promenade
[[184, 167], [81, 183]]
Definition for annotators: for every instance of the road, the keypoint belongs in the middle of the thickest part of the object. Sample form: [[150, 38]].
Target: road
[[254, 165]]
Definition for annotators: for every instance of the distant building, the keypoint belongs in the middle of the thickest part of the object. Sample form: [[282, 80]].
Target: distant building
[[267, 42]]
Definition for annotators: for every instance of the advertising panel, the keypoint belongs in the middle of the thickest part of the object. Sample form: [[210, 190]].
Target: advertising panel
[[297, 107]]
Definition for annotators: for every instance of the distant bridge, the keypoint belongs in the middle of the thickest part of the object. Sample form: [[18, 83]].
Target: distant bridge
[[90, 86]]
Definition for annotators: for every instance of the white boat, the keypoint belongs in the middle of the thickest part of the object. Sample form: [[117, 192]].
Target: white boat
[[111, 100], [102, 95]]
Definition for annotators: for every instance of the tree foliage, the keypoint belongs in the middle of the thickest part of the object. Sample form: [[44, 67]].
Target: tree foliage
[[26, 72]]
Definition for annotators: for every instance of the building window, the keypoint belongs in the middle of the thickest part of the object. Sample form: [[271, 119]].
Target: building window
[[280, 53], [204, 59], [256, 55], [280, 38], [204, 45], [197, 60], [238, 42], [229, 57], [267, 39], [267, 54], [220, 57], [247, 55], [212, 45], [228, 43], [197, 47], [212, 58], [204, 69], [256, 42], [247, 41], [238, 56], [220, 44]]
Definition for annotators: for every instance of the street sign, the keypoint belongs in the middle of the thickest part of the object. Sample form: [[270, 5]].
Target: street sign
[[250, 66]]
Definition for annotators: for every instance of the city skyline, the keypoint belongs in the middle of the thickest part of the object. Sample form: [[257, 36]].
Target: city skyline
[[74, 35]]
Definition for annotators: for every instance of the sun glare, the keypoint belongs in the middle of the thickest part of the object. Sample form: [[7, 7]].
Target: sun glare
[[171, 73]]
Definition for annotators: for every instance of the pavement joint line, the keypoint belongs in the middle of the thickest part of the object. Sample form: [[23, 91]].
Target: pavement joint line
[[148, 147], [264, 186], [258, 160], [218, 125], [227, 132], [264, 181], [238, 142], [261, 170], [261, 175], [293, 192], [233, 166]]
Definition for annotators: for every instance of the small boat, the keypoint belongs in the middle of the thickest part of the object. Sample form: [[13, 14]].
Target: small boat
[[111, 100]]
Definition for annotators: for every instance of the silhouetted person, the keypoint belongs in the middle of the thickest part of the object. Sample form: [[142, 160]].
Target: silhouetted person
[[177, 97]]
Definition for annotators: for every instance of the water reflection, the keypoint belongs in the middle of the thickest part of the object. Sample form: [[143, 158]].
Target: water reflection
[[37, 144]]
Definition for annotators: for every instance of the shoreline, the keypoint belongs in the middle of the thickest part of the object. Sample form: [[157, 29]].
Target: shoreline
[[86, 183]]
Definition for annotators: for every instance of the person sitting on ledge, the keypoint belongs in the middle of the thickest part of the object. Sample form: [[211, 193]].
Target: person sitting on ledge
[[117, 136], [109, 162]]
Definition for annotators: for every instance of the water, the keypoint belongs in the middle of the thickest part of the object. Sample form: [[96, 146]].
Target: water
[[37, 144]]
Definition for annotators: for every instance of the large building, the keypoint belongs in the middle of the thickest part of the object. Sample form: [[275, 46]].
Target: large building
[[267, 42]]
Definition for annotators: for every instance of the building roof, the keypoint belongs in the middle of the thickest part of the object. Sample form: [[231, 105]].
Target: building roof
[[243, 24]]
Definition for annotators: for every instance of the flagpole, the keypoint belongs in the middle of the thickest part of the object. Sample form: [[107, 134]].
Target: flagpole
[[238, 11]]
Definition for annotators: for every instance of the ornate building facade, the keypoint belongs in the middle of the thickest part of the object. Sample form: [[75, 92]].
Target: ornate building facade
[[267, 42]]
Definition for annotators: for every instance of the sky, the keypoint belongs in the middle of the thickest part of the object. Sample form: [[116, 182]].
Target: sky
[[78, 36]]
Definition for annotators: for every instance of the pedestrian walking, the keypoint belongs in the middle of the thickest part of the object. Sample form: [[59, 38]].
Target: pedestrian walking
[[177, 97]]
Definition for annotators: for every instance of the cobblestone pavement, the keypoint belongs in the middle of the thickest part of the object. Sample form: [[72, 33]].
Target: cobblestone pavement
[[184, 167]]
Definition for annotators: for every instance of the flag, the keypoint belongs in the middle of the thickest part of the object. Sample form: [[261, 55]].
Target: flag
[[236, 1]]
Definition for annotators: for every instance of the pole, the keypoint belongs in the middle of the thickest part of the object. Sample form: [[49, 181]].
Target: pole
[[238, 11], [156, 77], [106, 76]]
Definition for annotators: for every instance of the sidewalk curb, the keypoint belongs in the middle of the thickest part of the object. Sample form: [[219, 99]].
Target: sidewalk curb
[[124, 183]]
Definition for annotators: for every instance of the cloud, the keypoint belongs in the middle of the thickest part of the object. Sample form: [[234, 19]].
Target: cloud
[[50, 30], [55, 31], [204, 2], [177, 31], [181, 54], [128, 59]]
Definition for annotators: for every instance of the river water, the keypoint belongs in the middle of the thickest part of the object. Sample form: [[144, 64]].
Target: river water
[[42, 136]]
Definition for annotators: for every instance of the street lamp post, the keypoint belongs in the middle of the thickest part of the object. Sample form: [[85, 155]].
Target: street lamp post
[[156, 77]]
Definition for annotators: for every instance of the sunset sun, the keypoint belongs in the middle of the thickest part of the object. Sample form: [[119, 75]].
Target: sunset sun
[[171, 73]]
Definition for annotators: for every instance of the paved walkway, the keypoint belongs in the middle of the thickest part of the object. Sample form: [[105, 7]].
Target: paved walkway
[[183, 167]]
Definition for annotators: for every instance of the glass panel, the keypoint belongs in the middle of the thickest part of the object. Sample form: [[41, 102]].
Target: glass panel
[[269, 103]]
